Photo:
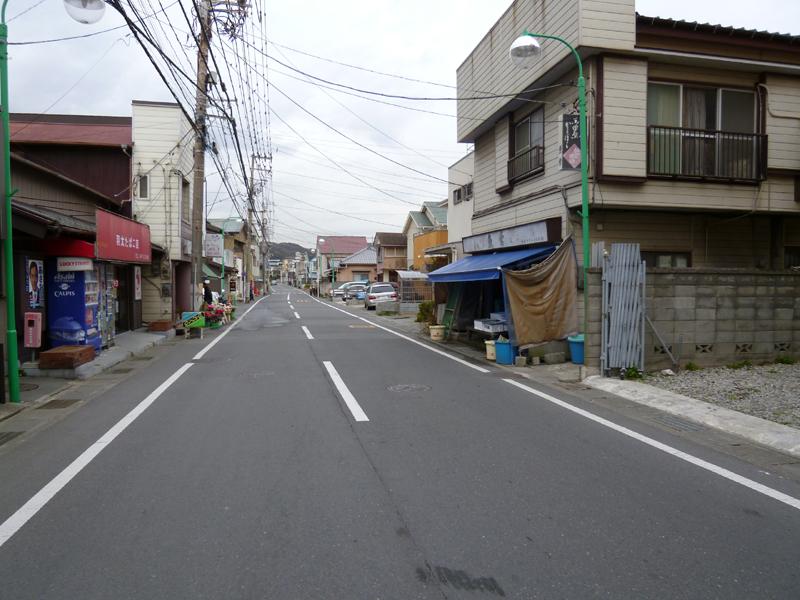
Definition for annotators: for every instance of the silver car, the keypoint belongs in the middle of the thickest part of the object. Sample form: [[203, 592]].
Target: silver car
[[377, 293]]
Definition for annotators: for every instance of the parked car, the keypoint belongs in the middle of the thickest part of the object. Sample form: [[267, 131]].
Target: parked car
[[377, 293], [338, 291], [352, 290]]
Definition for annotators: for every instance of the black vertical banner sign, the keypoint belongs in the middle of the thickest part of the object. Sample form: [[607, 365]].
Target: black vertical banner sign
[[570, 142]]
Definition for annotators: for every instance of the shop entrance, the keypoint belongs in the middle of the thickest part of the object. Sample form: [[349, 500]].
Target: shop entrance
[[122, 277]]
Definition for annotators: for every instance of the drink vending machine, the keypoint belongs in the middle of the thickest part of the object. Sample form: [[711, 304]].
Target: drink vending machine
[[72, 312]]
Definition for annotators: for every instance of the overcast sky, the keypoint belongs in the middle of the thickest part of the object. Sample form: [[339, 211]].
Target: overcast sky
[[419, 39]]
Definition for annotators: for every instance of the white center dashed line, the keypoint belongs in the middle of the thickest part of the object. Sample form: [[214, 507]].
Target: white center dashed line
[[307, 332], [296, 316], [356, 410]]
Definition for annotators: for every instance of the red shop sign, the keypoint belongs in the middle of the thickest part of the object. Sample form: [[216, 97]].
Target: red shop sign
[[121, 239]]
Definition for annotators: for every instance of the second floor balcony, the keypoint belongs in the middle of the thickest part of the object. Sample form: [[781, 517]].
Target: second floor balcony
[[527, 163], [683, 153]]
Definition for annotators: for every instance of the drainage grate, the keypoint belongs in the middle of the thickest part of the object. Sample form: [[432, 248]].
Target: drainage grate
[[60, 403], [122, 370], [7, 436], [28, 387], [142, 358], [408, 387], [678, 423]]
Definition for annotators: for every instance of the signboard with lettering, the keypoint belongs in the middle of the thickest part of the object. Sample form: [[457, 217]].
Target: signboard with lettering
[[121, 239], [137, 282], [74, 263], [522, 235], [570, 142]]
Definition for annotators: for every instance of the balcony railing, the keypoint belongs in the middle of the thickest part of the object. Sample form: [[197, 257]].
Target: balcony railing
[[704, 154], [526, 163]]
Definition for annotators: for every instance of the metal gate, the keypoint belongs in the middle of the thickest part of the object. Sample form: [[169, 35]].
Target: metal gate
[[622, 338]]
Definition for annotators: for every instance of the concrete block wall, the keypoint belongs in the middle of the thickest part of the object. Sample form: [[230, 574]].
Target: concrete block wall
[[713, 317]]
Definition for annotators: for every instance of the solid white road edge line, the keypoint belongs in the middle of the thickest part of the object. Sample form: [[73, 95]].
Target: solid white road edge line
[[307, 332], [288, 296], [405, 337], [13, 523], [202, 352], [349, 399], [699, 462], [296, 316]]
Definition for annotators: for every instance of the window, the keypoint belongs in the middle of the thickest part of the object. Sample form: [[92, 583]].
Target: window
[[468, 191], [457, 195], [697, 131], [667, 260], [143, 187], [791, 257], [186, 201], [527, 146]]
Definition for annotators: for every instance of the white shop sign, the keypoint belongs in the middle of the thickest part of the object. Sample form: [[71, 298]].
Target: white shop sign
[[522, 235], [69, 263]]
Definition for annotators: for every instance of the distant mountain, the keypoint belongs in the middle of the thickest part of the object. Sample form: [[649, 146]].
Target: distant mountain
[[283, 250]]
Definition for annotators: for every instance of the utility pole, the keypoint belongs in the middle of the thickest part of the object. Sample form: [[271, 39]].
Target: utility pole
[[251, 203], [201, 104]]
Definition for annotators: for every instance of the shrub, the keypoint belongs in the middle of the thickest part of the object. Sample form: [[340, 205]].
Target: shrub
[[690, 366], [632, 373], [427, 313], [786, 360]]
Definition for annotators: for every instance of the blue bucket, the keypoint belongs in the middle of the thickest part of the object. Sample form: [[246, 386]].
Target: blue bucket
[[576, 348], [504, 352]]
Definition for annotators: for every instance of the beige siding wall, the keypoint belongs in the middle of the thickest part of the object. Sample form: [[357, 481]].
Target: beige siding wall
[[608, 24], [161, 149], [489, 68], [775, 194], [685, 73], [783, 122], [459, 216], [624, 117], [488, 168], [154, 307], [713, 241]]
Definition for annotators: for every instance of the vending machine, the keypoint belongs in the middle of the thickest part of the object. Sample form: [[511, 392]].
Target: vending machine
[[72, 312]]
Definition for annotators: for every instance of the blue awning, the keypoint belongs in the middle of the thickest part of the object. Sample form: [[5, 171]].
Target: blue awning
[[484, 267]]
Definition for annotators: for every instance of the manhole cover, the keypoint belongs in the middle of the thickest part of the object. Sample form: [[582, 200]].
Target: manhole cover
[[28, 387], [358, 326], [408, 387], [60, 403], [7, 436], [122, 370]]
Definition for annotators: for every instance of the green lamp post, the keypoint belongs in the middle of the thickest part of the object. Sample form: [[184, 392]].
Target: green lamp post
[[83, 11], [523, 53]]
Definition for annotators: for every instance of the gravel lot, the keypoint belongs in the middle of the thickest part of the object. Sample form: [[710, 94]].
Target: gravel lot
[[767, 391]]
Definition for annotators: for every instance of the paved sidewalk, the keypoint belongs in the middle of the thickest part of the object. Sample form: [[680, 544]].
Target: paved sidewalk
[[773, 435], [126, 345]]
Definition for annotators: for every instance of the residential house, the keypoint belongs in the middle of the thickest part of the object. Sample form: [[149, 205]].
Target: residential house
[[359, 266], [694, 145], [162, 163], [459, 204], [391, 253], [425, 229], [331, 249]]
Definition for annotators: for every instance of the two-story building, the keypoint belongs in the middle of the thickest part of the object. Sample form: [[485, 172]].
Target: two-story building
[[391, 252], [693, 151], [693, 146], [460, 194], [330, 250], [162, 164], [426, 230]]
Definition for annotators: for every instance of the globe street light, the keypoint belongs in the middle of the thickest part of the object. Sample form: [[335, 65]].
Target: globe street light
[[83, 11], [524, 53]]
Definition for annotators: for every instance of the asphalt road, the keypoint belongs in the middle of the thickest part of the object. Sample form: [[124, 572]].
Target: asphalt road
[[344, 461]]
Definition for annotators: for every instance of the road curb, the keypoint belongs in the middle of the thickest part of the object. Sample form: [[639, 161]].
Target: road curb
[[779, 437]]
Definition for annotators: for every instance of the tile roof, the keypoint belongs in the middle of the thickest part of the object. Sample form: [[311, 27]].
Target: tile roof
[[420, 218], [438, 212], [71, 130], [341, 244], [365, 256], [386, 238], [734, 32]]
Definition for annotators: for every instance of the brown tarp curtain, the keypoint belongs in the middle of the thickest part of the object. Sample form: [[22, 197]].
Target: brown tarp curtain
[[543, 298]]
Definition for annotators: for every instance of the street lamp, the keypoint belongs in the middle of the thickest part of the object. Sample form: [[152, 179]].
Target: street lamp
[[83, 11], [523, 53]]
